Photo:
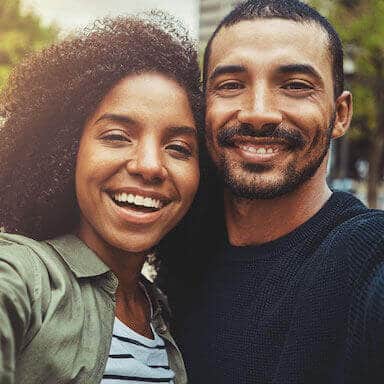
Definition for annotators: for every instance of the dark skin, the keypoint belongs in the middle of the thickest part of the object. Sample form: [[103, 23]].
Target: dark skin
[[140, 144], [132, 306], [289, 85]]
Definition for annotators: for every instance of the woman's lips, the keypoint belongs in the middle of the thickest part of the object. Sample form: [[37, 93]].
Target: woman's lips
[[134, 215]]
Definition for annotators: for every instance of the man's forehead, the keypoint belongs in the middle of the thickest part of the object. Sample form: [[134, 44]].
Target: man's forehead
[[261, 35]]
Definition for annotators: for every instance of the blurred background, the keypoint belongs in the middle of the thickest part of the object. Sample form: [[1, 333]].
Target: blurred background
[[357, 160]]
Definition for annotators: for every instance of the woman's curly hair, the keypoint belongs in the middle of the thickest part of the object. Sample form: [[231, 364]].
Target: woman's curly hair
[[51, 94]]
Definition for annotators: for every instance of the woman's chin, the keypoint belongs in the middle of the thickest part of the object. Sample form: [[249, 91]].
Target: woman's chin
[[136, 246]]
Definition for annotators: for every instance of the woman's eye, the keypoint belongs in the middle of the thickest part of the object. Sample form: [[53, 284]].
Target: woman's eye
[[115, 137], [180, 149]]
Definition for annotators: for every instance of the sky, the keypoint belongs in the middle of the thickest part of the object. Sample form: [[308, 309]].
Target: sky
[[71, 14]]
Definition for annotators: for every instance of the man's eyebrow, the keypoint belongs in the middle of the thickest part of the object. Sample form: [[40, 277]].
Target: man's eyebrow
[[114, 117], [181, 130], [299, 68], [225, 69]]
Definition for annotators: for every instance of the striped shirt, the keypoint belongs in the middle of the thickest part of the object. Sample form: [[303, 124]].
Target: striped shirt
[[135, 359]]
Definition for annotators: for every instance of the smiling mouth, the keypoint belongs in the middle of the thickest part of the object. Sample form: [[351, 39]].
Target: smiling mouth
[[137, 202], [260, 149], [256, 150]]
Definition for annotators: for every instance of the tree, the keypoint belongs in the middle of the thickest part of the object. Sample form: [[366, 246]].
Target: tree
[[20, 34], [360, 24]]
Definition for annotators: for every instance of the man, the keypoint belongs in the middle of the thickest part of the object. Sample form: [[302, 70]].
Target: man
[[296, 292]]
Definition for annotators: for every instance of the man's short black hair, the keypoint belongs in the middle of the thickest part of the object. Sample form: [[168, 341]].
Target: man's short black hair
[[290, 10]]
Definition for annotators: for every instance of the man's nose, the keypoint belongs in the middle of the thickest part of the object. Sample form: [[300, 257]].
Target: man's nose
[[259, 109], [147, 162]]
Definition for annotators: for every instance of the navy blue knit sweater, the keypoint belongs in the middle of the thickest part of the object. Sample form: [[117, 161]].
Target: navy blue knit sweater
[[305, 308]]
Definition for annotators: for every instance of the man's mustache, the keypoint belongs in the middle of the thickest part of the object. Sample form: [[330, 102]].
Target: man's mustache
[[294, 139]]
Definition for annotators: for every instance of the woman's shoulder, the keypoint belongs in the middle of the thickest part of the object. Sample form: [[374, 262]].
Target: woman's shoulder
[[23, 272], [17, 248], [27, 256]]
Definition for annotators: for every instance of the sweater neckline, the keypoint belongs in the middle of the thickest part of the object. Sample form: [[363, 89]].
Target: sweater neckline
[[327, 217]]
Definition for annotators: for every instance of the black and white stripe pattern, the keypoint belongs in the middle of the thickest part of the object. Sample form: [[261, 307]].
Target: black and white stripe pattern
[[135, 359]]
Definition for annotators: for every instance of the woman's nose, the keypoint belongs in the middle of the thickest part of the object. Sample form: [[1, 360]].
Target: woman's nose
[[147, 163]]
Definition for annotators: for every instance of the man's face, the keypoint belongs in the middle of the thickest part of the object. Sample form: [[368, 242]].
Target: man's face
[[270, 105]]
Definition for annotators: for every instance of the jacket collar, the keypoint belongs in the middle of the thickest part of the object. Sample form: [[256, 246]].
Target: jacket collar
[[82, 261], [158, 299]]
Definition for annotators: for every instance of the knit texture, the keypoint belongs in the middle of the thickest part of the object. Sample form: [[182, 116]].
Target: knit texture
[[305, 308]]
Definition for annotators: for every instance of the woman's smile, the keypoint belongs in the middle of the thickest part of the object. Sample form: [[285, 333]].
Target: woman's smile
[[137, 167], [136, 206]]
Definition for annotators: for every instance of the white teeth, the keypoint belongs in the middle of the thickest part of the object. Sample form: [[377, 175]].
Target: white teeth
[[137, 200], [248, 148], [258, 150], [147, 202]]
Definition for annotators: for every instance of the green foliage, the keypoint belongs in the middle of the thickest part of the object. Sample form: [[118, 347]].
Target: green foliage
[[364, 121], [360, 24], [20, 34]]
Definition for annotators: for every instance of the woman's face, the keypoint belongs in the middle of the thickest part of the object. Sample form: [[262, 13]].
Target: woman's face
[[137, 167]]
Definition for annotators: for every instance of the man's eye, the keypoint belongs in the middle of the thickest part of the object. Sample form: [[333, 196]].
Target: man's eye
[[230, 85], [180, 149], [298, 86]]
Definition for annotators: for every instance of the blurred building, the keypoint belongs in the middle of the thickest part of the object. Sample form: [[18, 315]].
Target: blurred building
[[211, 13]]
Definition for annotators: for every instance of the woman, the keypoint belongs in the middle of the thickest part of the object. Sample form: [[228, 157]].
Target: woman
[[99, 161]]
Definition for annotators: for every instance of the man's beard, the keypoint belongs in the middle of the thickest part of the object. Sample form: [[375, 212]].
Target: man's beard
[[241, 185]]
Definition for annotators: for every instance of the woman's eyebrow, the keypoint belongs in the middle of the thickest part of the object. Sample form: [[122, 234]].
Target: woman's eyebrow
[[117, 118], [171, 131]]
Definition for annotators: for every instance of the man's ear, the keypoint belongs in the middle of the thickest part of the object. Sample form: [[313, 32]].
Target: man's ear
[[343, 114]]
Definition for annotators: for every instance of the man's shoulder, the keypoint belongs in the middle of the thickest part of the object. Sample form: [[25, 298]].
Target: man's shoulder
[[346, 224], [357, 242], [364, 228]]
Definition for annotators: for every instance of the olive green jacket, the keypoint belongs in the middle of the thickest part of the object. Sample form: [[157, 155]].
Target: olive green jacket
[[57, 309]]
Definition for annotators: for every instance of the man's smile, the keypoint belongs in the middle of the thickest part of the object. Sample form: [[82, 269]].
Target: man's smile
[[281, 136], [255, 150]]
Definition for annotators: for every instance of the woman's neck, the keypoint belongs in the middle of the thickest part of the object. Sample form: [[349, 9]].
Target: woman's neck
[[132, 306]]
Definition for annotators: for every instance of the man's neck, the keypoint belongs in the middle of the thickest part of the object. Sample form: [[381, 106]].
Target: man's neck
[[254, 222]]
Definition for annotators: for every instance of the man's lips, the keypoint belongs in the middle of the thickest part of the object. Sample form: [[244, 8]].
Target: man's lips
[[259, 150], [292, 139]]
